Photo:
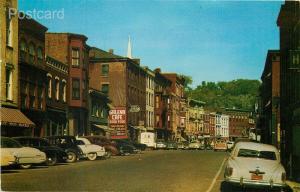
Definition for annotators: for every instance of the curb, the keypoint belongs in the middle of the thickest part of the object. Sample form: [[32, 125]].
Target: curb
[[294, 186]]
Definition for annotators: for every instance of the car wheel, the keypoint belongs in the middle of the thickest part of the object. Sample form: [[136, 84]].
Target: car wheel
[[92, 156], [108, 155], [25, 166], [51, 160], [71, 157]]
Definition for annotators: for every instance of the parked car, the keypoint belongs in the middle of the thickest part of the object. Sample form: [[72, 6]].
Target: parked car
[[161, 145], [110, 148], [7, 157], [139, 146], [255, 164], [54, 154], [196, 145], [68, 144], [220, 144], [183, 145], [26, 156], [148, 138], [230, 145], [125, 148], [171, 145], [91, 151]]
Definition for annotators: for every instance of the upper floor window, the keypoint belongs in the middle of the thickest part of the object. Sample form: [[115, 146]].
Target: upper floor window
[[75, 57], [105, 88], [105, 69], [49, 87], [76, 89], [31, 53], [64, 90], [8, 83], [9, 30], [57, 89], [40, 54], [156, 102]]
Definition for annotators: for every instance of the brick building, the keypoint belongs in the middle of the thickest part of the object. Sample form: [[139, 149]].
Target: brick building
[[13, 121], [56, 94], [269, 122], [32, 75], [195, 119], [162, 105], [289, 26], [125, 84], [72, 49]]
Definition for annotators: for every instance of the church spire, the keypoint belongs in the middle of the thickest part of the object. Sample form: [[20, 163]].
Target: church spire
[[129, 54]]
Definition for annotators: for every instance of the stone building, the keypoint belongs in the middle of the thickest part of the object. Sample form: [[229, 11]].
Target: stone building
[[125, 85], [195, 119], [162, 126], [32, 72], [150, 86], [71, 49], [289, 26], [13, 121], [56, 94], [177, 102], [269, 122]]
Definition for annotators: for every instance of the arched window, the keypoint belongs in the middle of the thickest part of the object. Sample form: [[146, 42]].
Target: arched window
[[64, 90], [49, 87], [31, 53], [57, 88]]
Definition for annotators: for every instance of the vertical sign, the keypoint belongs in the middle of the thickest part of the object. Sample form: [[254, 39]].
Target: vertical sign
[[117, 122]]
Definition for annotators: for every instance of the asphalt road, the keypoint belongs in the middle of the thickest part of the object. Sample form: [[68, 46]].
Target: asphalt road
[[150, 171]]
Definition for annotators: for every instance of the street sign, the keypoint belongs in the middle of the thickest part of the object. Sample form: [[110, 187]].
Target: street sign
[[134, 109]]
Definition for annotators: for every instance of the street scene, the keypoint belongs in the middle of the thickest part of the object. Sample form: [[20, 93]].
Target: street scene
[[150, 96]]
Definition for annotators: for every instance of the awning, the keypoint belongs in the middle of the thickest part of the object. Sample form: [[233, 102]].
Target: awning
[[14, 117], [104, 127]]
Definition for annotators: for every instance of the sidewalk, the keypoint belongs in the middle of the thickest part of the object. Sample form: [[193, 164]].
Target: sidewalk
[[294, 186]]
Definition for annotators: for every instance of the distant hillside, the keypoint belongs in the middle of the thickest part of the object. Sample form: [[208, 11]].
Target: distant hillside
[[240, 93]]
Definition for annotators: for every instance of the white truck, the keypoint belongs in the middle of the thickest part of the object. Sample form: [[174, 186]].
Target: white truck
[[148, 138]]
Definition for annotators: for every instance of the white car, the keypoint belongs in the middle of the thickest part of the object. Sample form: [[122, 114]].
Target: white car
[[26, 156], [195, 145], [255, 164], [7, 158], [90, 150]]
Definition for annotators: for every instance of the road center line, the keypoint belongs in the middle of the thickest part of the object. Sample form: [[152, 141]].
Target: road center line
[[216, 177]]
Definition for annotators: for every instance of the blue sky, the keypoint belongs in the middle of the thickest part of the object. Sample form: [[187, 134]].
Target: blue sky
[[208, 40]]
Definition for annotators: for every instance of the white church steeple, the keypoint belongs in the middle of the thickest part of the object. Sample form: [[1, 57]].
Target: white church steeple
[[129, 54]]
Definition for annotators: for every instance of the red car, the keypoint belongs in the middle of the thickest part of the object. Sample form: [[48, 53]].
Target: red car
[[109, 146]]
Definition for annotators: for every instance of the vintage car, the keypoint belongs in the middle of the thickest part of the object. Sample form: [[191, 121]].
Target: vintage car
[[90, 151], [256, 165], [7, 157], [68, 144], [171, 145], [54, 154], [196, 145], [183, 145], [110, 147], [220, 145], [26, 156], [125, 148], [161, 145]]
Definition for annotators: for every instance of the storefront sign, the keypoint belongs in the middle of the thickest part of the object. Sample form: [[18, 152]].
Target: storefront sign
[[117, 122]]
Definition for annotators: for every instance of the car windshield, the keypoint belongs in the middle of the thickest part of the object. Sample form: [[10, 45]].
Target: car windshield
[[9, 143], [270, 155]]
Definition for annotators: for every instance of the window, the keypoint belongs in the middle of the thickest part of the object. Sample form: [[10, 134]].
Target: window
[[56, 88], [105, 88], [8, 83], [75, 57], [31, 53], [49, 87], [40, 97], [64, 91], [23, 49], [75, 89], [9, 30], [32, 95], [40, 55], [105, 69], [156, 102], [157, 120]]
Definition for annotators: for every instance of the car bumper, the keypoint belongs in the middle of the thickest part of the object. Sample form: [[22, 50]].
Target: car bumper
[[101, 153], [252, 183]]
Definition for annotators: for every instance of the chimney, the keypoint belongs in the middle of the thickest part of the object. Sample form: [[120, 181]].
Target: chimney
[[157, 70], [111, 51]]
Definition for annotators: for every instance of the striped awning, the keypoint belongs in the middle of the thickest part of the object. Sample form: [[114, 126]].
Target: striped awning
[[14, 117]]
